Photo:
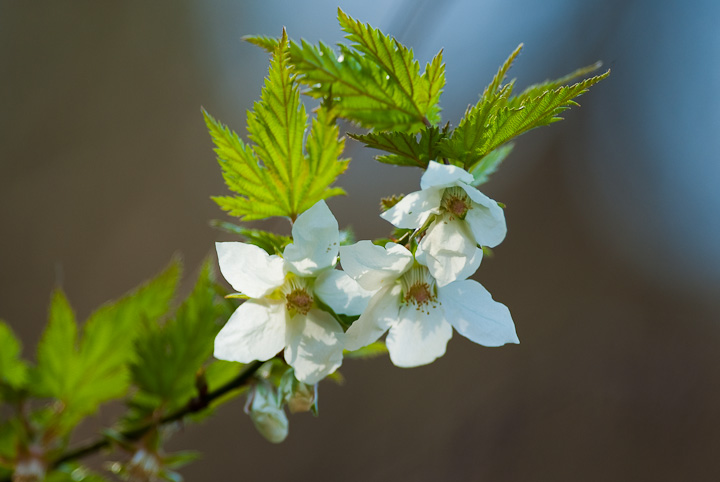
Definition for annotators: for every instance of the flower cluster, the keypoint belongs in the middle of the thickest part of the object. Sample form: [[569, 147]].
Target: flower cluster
[[417, 297]]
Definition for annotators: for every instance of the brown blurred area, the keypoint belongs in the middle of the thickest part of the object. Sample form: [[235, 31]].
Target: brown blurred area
[[106, 171]]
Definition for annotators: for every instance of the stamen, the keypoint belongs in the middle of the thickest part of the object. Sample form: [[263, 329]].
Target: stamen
[[456, 202], [418, 288], [297, 295]]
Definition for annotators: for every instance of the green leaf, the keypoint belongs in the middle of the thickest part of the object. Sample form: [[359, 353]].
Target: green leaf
[[274, 177], [499, 117], [13, 370], [170, 355], [406, 149], [376, 82], [420, 93], [85, 373], [272, 243], [487, 165]]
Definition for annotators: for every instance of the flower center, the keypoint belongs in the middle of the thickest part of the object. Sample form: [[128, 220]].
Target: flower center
[[456, 202], [297, 295], [419, 288]]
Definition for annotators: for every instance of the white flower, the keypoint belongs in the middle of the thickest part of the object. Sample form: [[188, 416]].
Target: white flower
[[417, 312], [283, 312], [463, 218]]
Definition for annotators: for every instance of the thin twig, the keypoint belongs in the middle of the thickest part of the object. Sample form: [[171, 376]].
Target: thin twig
[[194, 405]]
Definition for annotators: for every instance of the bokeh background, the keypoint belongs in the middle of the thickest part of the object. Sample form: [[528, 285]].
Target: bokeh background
[[611, 267]]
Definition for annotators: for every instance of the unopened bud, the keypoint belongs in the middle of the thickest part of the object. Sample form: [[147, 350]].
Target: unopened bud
[[267, 414]]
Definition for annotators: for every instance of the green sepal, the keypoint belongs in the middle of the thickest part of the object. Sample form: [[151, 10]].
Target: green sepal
[[372, 350]]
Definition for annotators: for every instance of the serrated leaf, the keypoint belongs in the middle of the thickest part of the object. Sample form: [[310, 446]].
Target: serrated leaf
[[13, 370], [499, 117], [488, 164], [531, 113], [170, 355], [272, 243], [375, 82], [421, 92], [406, 149], [87, 372], [274, 177]]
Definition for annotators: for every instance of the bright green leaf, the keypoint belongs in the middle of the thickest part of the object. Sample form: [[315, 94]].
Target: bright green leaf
[[274, 177], [170, 355], [488, 164], [375, 82], [406, 149], [85, 373], [13, 370]]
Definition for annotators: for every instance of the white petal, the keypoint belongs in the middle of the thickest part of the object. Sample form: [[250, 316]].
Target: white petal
[[314, 345], [475, 315], [419, 338], [442, 176], [249, 269], [315, 241], [449, 251], [413, 210], [341, 293], [381, 312], [486, 219], [373, 266], [256, 331]]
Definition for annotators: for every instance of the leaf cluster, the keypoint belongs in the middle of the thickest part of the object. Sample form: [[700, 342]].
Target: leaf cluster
[[283, 172], [136, 348], [376, 82]]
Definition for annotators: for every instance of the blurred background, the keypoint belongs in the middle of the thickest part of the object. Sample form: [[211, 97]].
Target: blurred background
[[611, 267]]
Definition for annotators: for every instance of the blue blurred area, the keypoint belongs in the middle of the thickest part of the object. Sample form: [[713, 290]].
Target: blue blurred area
[[646, 171]]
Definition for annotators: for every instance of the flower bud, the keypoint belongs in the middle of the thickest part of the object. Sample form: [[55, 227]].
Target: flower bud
[[267, 413]]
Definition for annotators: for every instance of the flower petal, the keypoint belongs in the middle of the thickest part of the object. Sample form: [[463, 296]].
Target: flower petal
[[441, 176], [314, 345], [249, 269], [341, 293], [486, 218], [449, 251], [315, 241], [373, 266], [256, 331], [413, 210], [475, 315], [419, 338], [381, 312]]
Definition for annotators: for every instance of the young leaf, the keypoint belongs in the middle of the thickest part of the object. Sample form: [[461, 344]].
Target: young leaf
[[274, 177], [498, 116], [376, 82], [397, 61], [85, 373], [488, 164], [406, 149], [170, 355], [13, 370]]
